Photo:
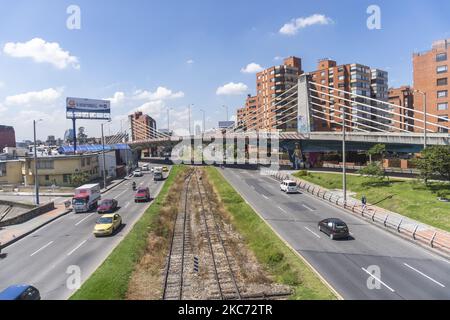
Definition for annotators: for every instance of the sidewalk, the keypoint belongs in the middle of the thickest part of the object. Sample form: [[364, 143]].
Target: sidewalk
[[411, 229], [11, 234]]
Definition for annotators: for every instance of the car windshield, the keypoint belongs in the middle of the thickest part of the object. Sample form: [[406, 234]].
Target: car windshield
[[340, 225], [292, 184], [104, 220], [106, 203], [79, 201], [142, 190]]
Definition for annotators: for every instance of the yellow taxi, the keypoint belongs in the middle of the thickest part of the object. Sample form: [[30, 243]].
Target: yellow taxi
[[107, 224], [165, 169]]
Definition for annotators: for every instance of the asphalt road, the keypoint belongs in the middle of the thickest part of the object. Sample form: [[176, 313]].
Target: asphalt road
[[407, 271], [44, 257]]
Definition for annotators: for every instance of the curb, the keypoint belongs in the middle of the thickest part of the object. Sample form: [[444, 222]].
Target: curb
[[7, 244], [321, 278]]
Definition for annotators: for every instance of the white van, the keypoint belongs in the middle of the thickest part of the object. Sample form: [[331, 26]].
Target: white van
[[288, 186]]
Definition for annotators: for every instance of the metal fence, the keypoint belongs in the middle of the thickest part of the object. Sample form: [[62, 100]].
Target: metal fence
[[406, 227]]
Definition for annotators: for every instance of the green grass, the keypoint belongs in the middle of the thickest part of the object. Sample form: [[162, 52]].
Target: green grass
[[278, 259], [110, 280], [410, 198]]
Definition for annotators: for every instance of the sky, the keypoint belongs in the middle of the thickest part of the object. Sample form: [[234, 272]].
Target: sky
[[158, 55]]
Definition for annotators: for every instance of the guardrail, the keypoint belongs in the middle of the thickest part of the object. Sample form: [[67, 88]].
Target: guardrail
[[387, 170], [408, 228]]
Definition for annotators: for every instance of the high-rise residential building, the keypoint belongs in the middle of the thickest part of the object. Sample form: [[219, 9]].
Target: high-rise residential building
[[331, 86], [7, 137], [431, 76], [268, 110], [143, 126], [403, 117]]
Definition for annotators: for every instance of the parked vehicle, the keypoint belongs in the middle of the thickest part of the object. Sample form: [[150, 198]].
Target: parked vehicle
[[165, 169], [138, 173], [20, 292], [86, 198], [145, 167], [334, 228], [143, 194], [107, 206], [107, 224], [288, 186]]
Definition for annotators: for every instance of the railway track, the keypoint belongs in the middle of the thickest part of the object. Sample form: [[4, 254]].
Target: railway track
[[180, 245], [227, 287]]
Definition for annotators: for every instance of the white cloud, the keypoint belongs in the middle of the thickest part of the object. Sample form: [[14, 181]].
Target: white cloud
[[34, 98], [117, 99], [292, 27], [232, 89], [278, 58], [252, 68], [42, 52], [190, 61], [161, 93], [2, 84]]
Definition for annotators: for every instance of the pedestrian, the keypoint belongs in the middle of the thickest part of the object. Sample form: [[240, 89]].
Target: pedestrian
[[364, 202]]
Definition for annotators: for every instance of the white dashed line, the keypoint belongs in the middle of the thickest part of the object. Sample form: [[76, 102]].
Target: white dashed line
[[312, 232], [282, 209], [379, 280], [265, 197], [120, 194], [42, 248], [83, 219], [423, 274], [70, 253], [126, 205], [304, 205]]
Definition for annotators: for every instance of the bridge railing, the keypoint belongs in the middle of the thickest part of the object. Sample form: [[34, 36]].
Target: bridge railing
[[405, 227]]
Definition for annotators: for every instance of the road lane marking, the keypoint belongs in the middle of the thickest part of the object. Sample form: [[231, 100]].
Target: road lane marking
[[78, 247], [265, 197], [120, 194], [304, 205], [379, 280], [42, 248], [76, 224], [312, 232], [423, 274], [282, 209], [126, 205]]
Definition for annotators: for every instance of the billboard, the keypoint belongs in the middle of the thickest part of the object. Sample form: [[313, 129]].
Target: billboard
[[80, 108], [226, 124]]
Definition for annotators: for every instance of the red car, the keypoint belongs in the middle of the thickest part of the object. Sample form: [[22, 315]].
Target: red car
[[107, 206], [143, 194]]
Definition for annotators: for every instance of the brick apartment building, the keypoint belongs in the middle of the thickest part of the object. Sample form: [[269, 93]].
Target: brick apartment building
[[403, 117], [331, 84], [7, 137], [431, 76], [142, 126], [262, 112]]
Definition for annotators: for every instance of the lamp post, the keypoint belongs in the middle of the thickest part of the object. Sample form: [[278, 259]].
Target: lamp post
[[424, 94], [190, 111], [36, 177], [103, 154], [203, 125], [226, 108]]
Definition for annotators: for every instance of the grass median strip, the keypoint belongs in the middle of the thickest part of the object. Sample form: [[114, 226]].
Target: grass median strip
[[111, 280], [410, 198], [278, 259]]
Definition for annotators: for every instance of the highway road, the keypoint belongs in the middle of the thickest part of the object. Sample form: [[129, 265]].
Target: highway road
[[43, 258], [406, 271]]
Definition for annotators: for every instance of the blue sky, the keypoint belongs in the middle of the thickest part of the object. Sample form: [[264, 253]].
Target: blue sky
[[129, 49]]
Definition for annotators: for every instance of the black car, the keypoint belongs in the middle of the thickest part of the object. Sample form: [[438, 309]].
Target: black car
[[334, 228]]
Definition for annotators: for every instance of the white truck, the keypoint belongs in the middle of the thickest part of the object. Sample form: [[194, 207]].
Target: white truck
[[86, 198]]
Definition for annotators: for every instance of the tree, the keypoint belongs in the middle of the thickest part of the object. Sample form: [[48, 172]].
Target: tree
[[373, 170], [378, 149], [79, 178], [82, 136], [434, 160]]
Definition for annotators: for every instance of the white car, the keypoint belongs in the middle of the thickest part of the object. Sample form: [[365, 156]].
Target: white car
[[138, 173], [145, 167], [289, 186]]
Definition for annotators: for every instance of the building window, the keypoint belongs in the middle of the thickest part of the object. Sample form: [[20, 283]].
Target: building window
[[441, 57], [442, 94], [442, 106], [66, 178], [83, 163], [442, 82], [2, 169], [45, 164], [441, 69], [88, 161], [341, 78]]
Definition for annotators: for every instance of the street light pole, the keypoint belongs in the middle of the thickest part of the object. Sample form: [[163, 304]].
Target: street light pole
[[203, 126], [36, 177], [344, 169]]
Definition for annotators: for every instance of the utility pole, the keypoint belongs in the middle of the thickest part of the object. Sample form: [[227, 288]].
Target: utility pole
[[36, 177]]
